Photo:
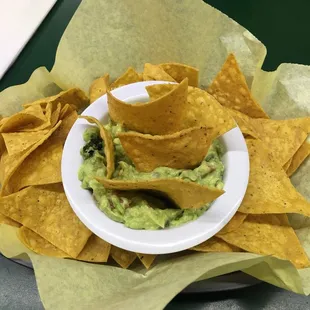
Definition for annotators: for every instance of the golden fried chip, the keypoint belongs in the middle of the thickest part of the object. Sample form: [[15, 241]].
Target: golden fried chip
[[129, 77], [95, 250], [302, 153], [180, 71], [2, 146], [19, 141], [74, 96], [43, 165], [55, 115], [108, 144], [234, 223], [143, 117], [269, 188], [269, 234], [146, 259], [185, 195], [122, 257], [155, 72], [30, 118], [202, 109], [230, 88], [99, 87], [287, 164], [9, 164], [6, 220], [46, 211], [66, 111], [215, 244], [181, 150]]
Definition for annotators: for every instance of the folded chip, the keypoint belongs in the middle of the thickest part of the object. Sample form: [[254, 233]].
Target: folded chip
[[181, 150], [186, 195], [143, 117]]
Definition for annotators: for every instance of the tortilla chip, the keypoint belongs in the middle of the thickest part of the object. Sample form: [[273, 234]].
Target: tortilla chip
[[46, 211], [2, 145], [99, 87], [74, 96], [129, 77], [146, 259], [269, 188], [215, 244], [231, 90], [16, 142], [302, 153], [180, 71], [181, 150], [202, 109], [95, 250], [43, 165], [269, 235], [66, 111], [122, 257], [143, 117], [29, 118], [287, 164], [9, 164], [55, 115], [155, 73], [6, 220], [108, 144], [233, 224], [185, 195]]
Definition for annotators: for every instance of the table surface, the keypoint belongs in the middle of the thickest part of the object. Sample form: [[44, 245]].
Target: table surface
[[282, 25]]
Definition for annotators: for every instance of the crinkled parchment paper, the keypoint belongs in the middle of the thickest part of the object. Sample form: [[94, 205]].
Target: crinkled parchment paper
[[108, 36]]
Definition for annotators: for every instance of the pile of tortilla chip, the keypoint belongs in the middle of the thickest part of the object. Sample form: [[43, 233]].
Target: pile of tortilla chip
[[33, 199]]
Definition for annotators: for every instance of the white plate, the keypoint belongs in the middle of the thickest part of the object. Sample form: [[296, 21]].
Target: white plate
[[170, 240]]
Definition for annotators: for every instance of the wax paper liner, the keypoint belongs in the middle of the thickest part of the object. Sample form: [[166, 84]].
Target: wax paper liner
[[108, 36]]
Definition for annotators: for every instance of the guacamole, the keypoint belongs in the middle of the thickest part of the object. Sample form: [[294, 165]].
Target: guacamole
[[140, 210]]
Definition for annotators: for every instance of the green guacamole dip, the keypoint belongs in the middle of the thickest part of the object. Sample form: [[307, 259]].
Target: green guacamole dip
[[140, 210]]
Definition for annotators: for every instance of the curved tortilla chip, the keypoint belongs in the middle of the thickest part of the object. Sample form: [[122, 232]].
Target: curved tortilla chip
[[95, 250], [74, 96], [202, 108], [302, 153], [269, 188], [155, 72], [98, 87], [108, 144], [180, 71], [215, 245], [143, 117], [181, 150], [269, 235], [231, 90], [185, 195], [233, 224], [129, 77]]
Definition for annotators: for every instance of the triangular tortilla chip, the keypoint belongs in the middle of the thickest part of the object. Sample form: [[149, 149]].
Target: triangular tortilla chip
[[269, 188], [16, 142], [155, 72], [43, 165], [269, 235], [146, 259], [143, 117], [46, 211], [231, 90], [99, 87], [185, 195], [215, 244], [181, 150], [28, 119], [108, 144], [122, 257], [96, 250], [302, 153], [129, 77], [74, 96], [180, 71], [234, 223]]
